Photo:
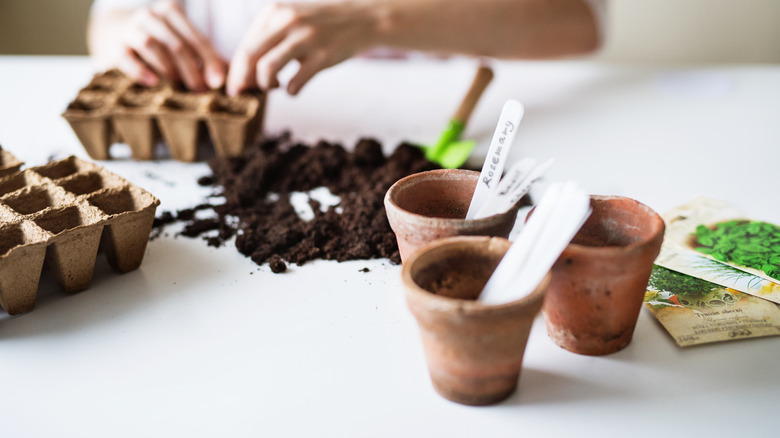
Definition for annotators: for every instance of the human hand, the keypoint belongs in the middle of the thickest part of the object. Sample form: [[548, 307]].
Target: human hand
[[317, 35], [159, 41]]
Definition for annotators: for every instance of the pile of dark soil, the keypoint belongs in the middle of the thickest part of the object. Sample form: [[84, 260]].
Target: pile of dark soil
[[270, 231]]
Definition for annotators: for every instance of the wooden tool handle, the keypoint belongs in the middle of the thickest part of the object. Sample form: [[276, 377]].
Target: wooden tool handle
[[481, 80]]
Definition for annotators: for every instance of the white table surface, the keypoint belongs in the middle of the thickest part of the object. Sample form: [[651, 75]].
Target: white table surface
[[202, 342]]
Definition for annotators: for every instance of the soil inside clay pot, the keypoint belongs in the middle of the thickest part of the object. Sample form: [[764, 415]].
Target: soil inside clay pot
[[460, 276], [591, 240], [444, 209], [433, 199], [458, 284], [258, 186], [610, 231]]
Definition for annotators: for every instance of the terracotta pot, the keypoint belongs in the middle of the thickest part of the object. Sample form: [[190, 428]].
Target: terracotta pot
[[431, 205], [599, 281], [474, 351]]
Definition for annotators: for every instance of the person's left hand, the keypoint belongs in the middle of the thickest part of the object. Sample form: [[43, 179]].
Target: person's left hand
[[317, 35]]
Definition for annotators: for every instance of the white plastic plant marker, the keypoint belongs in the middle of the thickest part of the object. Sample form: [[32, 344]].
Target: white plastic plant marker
[[514, 176], [506, 129], [513, 186], [556, 219]]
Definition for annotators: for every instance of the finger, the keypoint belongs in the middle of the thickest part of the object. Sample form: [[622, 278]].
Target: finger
[[268, 30], [136, 69], [215, 72], [308, 68], [179, 53], [270, 64], [241, 74], [151, 52], [214, 67]]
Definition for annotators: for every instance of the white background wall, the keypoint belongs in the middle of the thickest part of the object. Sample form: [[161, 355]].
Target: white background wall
[[693, 31], [639, 30]]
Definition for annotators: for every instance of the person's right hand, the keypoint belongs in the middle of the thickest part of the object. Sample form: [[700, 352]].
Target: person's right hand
[[159, 41], [318, 35]]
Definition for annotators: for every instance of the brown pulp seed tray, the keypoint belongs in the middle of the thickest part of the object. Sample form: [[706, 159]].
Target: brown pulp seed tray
[[60, 215], [8, 163], [114, 109]]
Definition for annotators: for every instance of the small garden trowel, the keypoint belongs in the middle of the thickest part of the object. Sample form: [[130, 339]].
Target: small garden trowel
[[450, 151]]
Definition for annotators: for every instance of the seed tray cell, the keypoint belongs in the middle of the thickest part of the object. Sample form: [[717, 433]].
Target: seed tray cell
[[8, 163], [111, 109], [60, 216]]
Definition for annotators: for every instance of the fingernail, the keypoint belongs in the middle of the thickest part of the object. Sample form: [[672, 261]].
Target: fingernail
[[215, 79], [149, 79], [213, 82]]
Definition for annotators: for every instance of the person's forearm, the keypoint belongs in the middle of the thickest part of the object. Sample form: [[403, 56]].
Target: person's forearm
[[530, 29]]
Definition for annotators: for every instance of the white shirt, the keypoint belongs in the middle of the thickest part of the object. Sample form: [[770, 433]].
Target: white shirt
[[225, 22]]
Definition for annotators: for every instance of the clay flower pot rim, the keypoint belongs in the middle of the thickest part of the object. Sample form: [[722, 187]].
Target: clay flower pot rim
[[447, 304], [422, 220], [658, 222], [615, 249]]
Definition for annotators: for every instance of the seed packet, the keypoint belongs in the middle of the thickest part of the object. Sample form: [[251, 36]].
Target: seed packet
[[718, 232], [696, 311], [696, 265]]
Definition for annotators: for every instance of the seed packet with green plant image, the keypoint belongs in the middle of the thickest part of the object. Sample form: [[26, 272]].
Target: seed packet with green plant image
[[699, 266], [715, 230], [695, 311]]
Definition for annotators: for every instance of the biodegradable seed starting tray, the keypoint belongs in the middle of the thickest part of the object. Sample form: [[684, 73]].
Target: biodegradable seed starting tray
[[113, 109], [8, 163], [60, 215]]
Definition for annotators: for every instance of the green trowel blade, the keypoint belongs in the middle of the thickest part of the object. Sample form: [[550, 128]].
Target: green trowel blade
[[456, 154], [448, 151]]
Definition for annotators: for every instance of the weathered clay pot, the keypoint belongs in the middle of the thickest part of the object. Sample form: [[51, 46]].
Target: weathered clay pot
[[431, 205], [599, 281], [474, 351]]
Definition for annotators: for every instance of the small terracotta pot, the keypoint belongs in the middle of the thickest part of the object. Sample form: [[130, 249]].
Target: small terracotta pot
[[599, 281], [431, 205], [474, 351]]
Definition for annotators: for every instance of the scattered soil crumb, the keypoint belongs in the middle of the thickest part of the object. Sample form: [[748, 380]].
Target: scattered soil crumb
[[277, 264], [206, 181], [255, 190]]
